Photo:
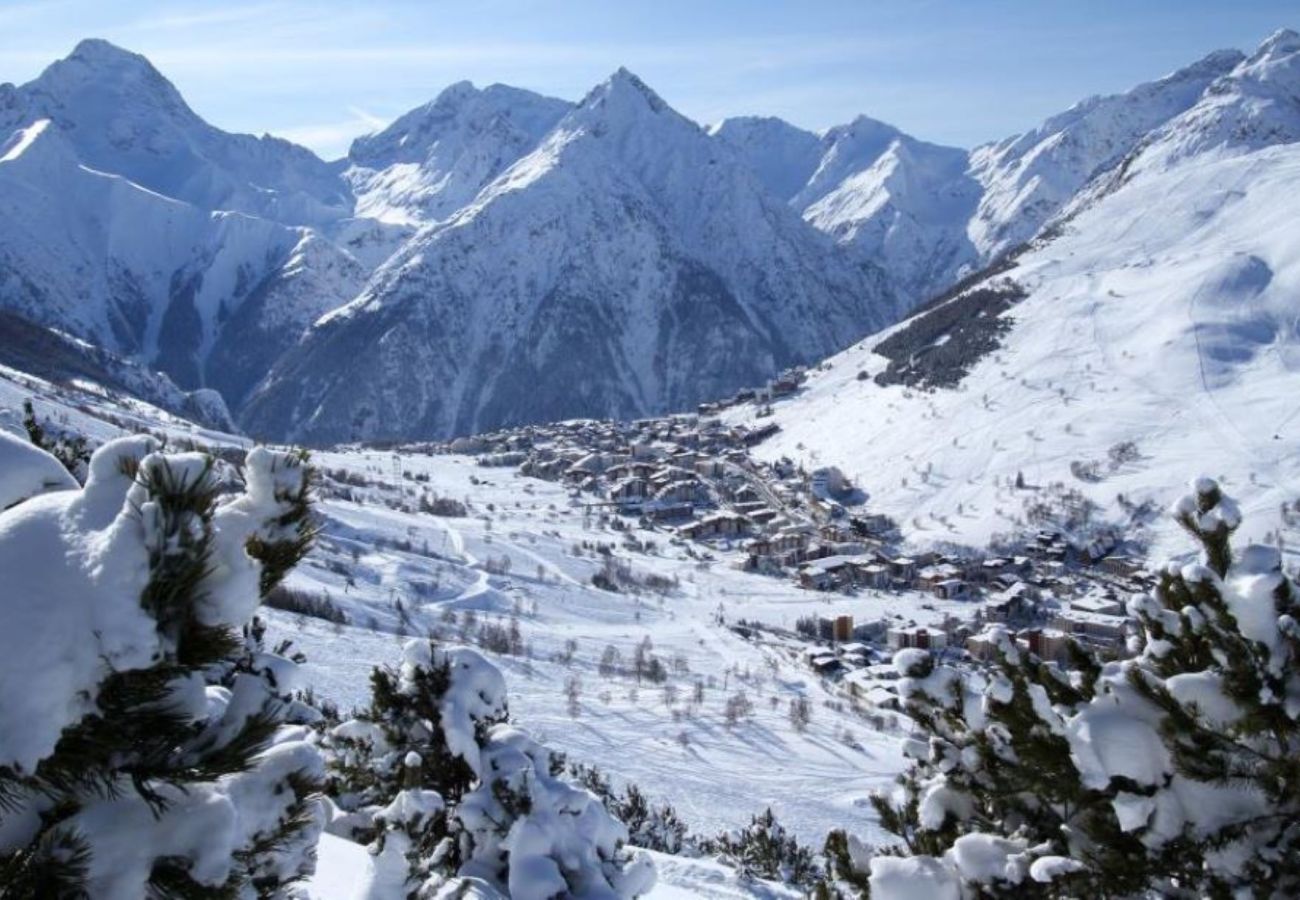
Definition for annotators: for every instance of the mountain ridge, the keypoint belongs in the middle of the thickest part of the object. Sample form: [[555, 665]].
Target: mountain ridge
[[742, 247]]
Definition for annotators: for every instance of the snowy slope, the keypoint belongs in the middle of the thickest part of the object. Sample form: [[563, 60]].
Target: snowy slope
[[882, 194], [782, 156], [1163, 312], [148, 276], [1030, 177], [630, 264], [391, 568]]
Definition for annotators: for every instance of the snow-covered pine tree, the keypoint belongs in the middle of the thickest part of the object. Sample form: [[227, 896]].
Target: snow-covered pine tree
[[764, 849], [72, 450], [447, 793], [1174, 773], [127, 768], [650, 827]]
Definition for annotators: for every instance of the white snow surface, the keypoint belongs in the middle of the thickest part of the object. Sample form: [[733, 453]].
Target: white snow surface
[[715, 776], [1163, 314], [27, 470]]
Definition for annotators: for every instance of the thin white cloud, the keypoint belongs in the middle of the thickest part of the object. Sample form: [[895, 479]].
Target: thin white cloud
[[205, 18], [331, 140]]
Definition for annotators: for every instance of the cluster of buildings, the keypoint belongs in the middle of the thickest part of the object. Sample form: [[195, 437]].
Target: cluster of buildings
[[694, 474]]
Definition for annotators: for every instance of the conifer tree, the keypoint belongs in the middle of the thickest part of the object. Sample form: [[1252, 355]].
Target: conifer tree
[[178, 781], [72, 450], [764, 849], [1173, 773], [447, 793]]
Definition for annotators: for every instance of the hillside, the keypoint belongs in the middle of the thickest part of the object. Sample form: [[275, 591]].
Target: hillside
[[1156, 334]]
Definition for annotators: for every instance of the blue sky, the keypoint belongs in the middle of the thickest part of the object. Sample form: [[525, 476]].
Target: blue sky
[[947, 71]]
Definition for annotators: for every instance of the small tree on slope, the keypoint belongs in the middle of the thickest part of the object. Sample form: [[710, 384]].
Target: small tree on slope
[[1174, 773], [764, 849], [447, 793], [72, 450], [141, 745]]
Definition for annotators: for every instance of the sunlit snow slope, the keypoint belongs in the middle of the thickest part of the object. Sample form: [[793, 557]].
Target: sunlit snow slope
[[1163, 311]]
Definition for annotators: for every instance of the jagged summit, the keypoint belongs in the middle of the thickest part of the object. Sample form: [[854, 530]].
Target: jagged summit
[[460, 111], [99, 71], [624, 90], [1282, 41], [103, 54]]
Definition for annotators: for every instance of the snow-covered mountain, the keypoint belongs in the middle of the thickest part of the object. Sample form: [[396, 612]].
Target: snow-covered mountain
[[151, 277], [497, 256], [436, 158], [929, 214], [120, 115], [128, 221], [1152, 331], [1027, 179], [629, 264], [898, 201]]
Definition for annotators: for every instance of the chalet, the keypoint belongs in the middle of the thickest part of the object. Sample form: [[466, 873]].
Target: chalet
[[817, 578], [872, 524], [760, 434], [827, 482], [875, 575], [832, 572], [853, 647], [631, 469], [1047, 643], [982, 647], [629, 493], [680, 492], [916, 637], [867, 688], [827, 665], [836, 533], [719, 524], [1009, 605], [902, 568], [783, 385], [1098, 602], [931, 576], [1100, 630], [709, 468], [951, 589], [1008, 580], [661, 511], [1122, 566]]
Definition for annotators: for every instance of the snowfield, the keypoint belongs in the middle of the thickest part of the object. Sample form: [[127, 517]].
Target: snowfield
[[1170, 324], [714, 775], [395, 573]]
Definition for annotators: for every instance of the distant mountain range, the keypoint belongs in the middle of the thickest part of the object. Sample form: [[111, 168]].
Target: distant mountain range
[[498, 257]]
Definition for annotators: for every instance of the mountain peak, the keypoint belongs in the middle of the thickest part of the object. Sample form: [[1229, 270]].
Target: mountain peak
[[104, 57], [623, 89], [103, 68], [1279, 43], [455, 93]]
